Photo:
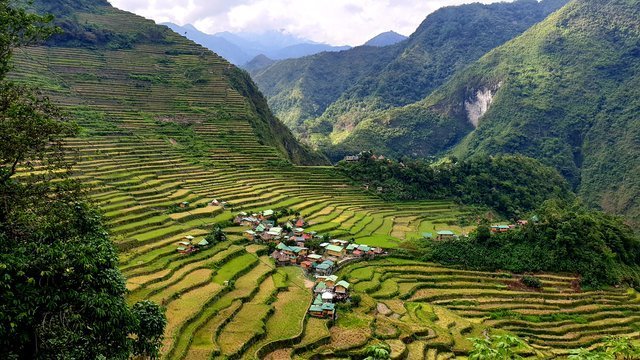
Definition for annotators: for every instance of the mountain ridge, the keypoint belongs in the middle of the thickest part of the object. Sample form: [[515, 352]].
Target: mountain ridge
[[241, 48], [309, 96], [385, 39], [573, 79]]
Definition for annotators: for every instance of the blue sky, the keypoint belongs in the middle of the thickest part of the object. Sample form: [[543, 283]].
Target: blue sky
[[336, 22]]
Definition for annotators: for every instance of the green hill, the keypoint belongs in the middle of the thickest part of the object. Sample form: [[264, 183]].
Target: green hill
[[564, 92], [323, 97], [107, 59]]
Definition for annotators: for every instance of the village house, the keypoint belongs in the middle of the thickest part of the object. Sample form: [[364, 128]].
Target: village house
[[335, 251], [281, 258], [445, 235], [314, 258], [249, 235], [500, 228], [325, 268], [352, 158], [341, 290], [267, 214]]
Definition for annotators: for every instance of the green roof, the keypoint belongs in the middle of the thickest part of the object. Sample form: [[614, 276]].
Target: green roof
[[260, 228], [331, 278], [328, 306], [352, 246], [328, 262], [282, 246], [314, 256], [334, 248], [267, 212], [364, 248], [343, 284], [446, 232], [318, 300], [203, 242], [323, 266], [317, 308], [321, 285]]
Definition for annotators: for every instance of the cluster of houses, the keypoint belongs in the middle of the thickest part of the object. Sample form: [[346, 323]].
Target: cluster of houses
[[321, 261], [327, 291], [187, 246]]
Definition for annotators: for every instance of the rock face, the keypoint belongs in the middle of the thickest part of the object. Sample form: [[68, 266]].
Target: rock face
[[478, 106]]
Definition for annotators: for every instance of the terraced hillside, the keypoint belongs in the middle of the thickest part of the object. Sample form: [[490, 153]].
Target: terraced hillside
[[167, 122], [425, 311], [137, 180]]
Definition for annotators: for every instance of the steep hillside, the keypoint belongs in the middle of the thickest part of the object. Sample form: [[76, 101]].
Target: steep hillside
[[117, 64], [565, 92], [324, 96]]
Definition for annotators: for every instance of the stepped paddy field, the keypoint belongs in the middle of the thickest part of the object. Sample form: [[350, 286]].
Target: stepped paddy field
[[162, 125]]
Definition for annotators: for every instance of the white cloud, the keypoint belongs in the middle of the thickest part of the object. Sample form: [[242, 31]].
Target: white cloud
[[335, 22]]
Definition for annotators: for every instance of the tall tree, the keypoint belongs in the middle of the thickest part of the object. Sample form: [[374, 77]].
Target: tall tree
[[61, 293]]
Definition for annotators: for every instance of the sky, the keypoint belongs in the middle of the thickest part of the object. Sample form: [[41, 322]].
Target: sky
[[335, 22]]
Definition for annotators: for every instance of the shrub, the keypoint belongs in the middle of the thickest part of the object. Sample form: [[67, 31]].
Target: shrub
[[532, 281]]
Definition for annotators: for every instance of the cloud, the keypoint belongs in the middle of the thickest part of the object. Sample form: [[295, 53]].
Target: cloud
[[335, 22]]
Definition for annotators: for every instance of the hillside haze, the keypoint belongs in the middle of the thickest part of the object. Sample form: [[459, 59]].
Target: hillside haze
[[241, 48]]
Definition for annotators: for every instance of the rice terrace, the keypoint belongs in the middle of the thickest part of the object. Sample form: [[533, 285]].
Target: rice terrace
[[256, 247]]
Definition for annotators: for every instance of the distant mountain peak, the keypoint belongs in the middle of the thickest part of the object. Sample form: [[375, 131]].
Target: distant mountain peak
[[385, 39]]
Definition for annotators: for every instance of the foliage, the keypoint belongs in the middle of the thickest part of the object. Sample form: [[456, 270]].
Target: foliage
[[61, 293], [380, 351], [501, 347], [532, 281], [615, 348], [567, 238], [216, 236], [512, 185]]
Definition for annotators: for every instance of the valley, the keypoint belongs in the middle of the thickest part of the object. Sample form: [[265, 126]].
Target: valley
[[175, 142]]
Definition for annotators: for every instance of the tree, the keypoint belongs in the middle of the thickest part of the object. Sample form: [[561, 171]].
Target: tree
[[217, 235], [61, 293]]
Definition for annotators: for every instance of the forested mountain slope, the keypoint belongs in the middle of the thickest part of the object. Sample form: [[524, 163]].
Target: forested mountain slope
[[565, 92], [118, 63], [323, 97]]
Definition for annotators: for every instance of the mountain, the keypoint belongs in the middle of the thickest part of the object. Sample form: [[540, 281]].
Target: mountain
[[240, 48], [223, 47], [258, 62], [125, 74], [323, 97], [565, 92], [386, 39]]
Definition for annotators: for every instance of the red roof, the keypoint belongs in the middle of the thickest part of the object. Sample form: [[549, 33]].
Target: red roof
[[357, 252], [300, 223]]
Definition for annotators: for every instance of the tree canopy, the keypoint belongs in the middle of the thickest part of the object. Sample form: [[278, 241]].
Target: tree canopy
[[61, 293]]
